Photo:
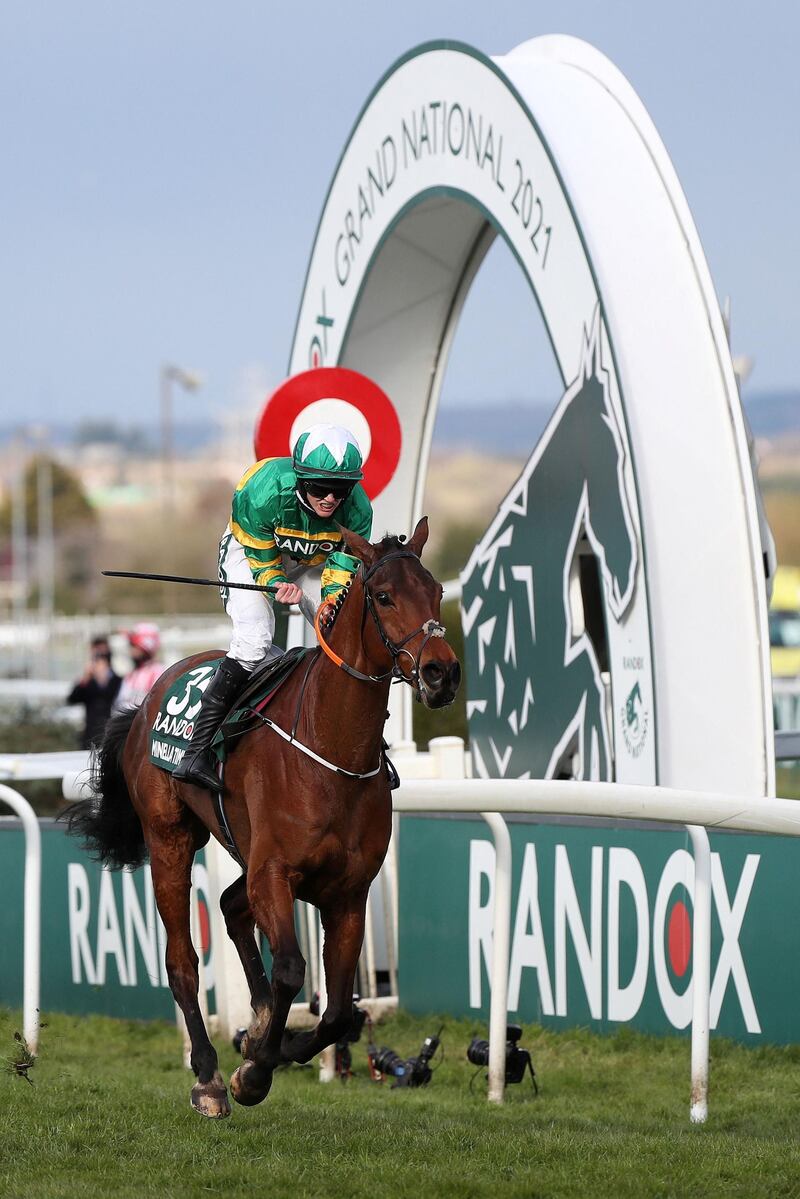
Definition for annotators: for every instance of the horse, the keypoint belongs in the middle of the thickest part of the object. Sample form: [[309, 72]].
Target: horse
[[311, 816]]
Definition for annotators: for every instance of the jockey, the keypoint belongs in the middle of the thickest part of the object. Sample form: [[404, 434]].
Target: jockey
[[282, 532], [144, 640]]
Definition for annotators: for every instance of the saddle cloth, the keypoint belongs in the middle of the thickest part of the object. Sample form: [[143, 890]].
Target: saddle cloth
[[173, 725]]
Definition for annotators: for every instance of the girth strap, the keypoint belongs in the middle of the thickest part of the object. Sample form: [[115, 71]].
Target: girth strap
[[225, 828], [292, 740]]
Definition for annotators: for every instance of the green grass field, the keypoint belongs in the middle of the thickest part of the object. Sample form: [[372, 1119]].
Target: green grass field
[[108, 1114]]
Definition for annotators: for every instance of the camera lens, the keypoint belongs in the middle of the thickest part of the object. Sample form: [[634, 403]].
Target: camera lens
[[478, 1052], [386, 1061]]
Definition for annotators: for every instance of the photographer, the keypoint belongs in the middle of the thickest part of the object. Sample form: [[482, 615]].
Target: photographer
[[96, 689]]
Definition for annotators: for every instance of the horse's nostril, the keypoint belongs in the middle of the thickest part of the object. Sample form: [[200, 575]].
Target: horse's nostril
[[433, 674], [455, 675]]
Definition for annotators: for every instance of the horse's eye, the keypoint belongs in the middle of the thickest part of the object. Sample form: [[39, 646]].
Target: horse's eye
[[383, 599]]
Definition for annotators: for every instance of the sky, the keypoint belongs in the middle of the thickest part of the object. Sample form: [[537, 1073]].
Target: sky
[[165, 165]]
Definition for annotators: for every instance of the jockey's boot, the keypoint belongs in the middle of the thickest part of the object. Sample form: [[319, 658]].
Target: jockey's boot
[[196, 764]]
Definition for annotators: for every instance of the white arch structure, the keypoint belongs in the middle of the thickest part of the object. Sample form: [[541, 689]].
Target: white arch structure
[[550, 147]]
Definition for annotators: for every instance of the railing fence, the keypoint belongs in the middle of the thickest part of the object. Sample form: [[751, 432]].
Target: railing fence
[[453, 793]]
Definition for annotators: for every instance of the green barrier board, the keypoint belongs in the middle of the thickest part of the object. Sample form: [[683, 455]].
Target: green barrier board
[[601, 927], [102, 941]]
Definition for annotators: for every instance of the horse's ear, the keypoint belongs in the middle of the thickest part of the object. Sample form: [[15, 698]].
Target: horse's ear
[[357, 545], [418, 538]]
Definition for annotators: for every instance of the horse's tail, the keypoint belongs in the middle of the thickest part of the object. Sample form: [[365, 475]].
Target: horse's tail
[[107, 821]]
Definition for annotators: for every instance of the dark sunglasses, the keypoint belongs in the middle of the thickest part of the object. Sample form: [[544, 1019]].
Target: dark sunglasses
[[319, 489]]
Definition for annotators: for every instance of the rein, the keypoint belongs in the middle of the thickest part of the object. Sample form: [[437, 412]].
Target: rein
[[430, 628], [292, 739]]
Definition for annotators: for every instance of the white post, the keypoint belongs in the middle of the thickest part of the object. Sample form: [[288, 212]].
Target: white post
[[389, 925], [369, 951], [701, 972], [448, 757], [32, 892], [313, 951], [392, 861], [327, 1059], [301, 923], [230, 984], [501, 940]]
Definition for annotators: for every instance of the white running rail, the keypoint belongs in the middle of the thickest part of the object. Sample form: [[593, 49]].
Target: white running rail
[[698, 811], [32, 893], [60, 764]]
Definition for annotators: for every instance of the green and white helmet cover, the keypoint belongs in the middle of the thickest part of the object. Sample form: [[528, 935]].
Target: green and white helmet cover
[[327, 452]]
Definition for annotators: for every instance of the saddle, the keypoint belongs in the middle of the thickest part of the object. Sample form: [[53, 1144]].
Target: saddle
[[268, 677], [265, 681], [172, 728]]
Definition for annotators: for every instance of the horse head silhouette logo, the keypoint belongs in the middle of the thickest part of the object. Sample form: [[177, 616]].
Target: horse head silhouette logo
[[633, 709], [537, 703]]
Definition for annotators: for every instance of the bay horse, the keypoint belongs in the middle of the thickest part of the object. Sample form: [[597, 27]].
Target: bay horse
[[311, 818]]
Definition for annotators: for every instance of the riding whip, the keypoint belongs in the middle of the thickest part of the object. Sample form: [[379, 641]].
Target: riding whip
[[133, 574]]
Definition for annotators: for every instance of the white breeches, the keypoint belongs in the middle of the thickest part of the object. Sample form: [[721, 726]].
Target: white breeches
[[252, 612]]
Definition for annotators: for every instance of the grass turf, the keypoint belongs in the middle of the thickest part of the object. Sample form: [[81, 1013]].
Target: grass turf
[[108, 1115]]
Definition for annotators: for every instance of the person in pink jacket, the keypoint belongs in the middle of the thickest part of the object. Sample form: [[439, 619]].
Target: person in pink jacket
[[144, 640]]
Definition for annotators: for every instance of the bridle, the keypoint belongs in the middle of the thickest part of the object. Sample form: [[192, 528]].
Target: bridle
[[430, 628]]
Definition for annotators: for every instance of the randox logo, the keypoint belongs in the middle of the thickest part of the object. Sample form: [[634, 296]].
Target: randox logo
[[552, 928], [174, 722], [115, 932], [634, 720], [304, 549], [536, 699]]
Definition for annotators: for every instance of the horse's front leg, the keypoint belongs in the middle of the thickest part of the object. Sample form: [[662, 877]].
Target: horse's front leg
[[344, 936], [171, 868], [272, 902]]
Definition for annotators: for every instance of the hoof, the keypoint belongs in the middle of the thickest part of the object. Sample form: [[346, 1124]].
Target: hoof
[[258, 1028], [244, 1086], [211, 1098]]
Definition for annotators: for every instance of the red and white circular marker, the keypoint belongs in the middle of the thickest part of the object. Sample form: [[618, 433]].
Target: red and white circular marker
[[338, 396]]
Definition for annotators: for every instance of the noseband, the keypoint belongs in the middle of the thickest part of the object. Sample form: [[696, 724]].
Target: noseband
[[430, 628]]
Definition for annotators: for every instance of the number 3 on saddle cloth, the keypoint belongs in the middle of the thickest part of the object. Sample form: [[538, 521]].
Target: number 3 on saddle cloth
[[173, 725]]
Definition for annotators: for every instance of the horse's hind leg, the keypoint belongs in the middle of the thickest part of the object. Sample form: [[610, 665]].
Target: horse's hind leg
[[272, 901], [344, 935], [171, 858], [240, 925]]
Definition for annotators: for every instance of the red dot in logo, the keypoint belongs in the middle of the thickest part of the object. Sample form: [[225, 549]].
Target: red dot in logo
[[205, 926], [679, 936]]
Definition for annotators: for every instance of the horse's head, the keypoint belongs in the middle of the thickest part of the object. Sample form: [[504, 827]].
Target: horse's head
[[401, 631], [599, 448]]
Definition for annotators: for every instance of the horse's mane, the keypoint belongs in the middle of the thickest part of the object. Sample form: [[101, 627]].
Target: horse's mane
[[390, 542]]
